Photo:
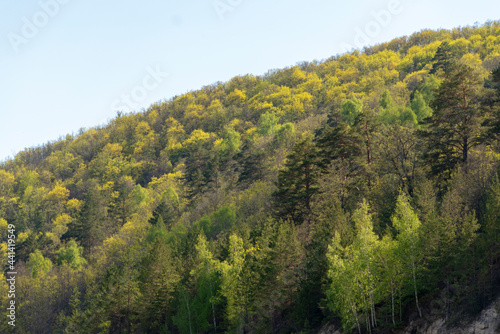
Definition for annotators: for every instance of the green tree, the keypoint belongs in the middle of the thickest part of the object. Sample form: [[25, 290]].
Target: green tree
[[397, 150], [493, 103], [297, 183], [353, 271], [340, 150], [160, 278], [366, 124], [350, 110], [455, 127], [286, 278], [492, 228], [443, 60], [268, 123], [420, 107], [206, 303], [391, 267], [38, 265], [252, 163], [232, 284], [337, 140], [72, 255], [121, 297], [408, 228], [388, 112]]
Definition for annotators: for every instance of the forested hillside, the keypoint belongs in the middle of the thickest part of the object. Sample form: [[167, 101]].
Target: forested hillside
[[362, 190]]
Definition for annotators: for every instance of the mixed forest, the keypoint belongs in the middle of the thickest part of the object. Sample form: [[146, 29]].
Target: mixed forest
[[361, 190]]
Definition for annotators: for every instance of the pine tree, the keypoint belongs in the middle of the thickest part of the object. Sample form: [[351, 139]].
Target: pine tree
[[443, 60], [337, 140], [165, 212], [493, 104], [161, 278], [297, 183], [252, 163], [491, 236], [455, 127]]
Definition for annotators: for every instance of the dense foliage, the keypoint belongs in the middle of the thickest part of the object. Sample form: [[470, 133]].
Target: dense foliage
[[363, 190]]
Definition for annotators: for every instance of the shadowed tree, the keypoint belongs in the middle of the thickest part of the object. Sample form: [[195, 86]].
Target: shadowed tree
[[455, 127], [297, 183]]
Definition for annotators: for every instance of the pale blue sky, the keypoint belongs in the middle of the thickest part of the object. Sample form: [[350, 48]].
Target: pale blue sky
[[83, 59]]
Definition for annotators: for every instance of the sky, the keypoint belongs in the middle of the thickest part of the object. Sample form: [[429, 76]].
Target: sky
[[72, 64]]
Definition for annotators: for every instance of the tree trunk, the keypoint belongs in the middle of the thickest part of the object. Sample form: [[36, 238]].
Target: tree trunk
[[357, 318], [374, 317], [392, 300], [211, 296], [415, 287], [465, 150], [189, 313], [368, 154]]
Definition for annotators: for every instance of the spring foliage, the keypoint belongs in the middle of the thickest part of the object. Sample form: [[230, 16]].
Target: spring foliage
[[361, 189]]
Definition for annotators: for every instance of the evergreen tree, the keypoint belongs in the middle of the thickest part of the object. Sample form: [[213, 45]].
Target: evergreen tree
[[160, 277], [252, 163], [455, 127], [297, 183], [493, 103], [444, 59], [491, 236], [165, 212], [337, 140]]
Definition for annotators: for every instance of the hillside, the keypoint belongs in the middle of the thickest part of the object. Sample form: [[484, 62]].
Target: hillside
[[362, 190]]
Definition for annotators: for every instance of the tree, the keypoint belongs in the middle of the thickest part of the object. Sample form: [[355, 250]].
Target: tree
[[160, 278], [268, 123], [455, 127], [337, 140], [297, 183], [125, 199], [89, 227], [38, 265], [253, 163], [388, 112], [200, 163], [420, 107], [455, 264], [208, 284], [164, 211], [350, 110], [443, 60], [493, 103], [407, 226], [366, 125], [492, 229], [286, 273], [353, 273], [232, 284], [343, 291], [222, 220], [121, 298], [72, 255], [340, 150], [390, 271], [397, 152]]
